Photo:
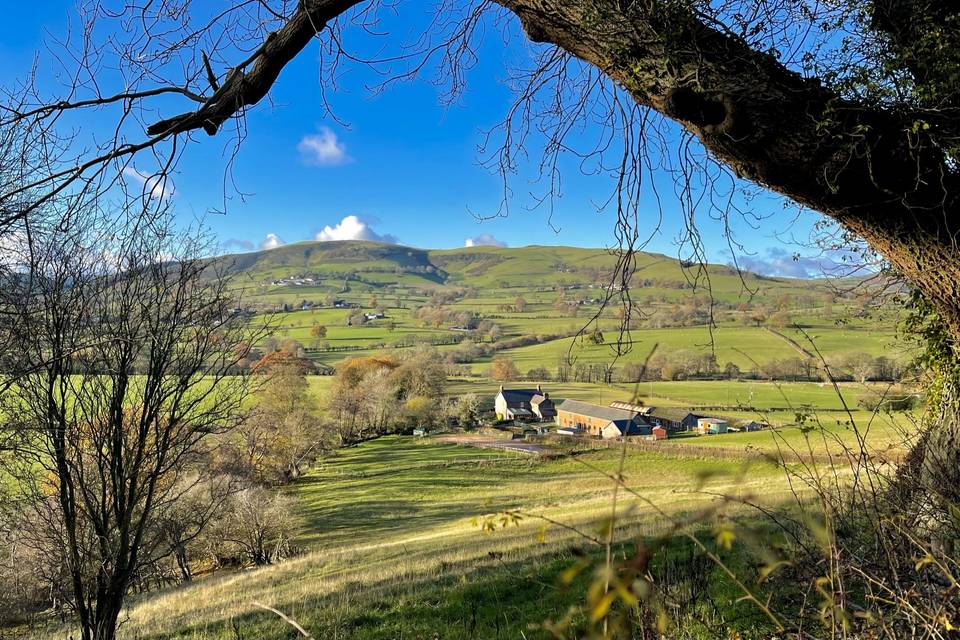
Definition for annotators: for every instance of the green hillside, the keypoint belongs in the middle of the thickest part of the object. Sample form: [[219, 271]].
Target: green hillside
[[526, 303], [379, 265]]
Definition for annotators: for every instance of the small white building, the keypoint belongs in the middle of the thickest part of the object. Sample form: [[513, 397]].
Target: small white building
[[524, 404]]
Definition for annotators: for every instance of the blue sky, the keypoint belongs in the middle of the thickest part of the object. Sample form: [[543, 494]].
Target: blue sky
[[405, 168]]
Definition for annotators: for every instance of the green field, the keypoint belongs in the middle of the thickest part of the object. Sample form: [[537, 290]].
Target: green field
[[746, 347], [487, 281], [392, 549], [391, 542]]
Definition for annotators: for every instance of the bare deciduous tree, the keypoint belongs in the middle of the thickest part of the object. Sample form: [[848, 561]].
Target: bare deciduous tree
[[120, 374]]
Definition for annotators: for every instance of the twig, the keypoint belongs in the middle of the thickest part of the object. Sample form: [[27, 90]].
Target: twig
[[293, 623]]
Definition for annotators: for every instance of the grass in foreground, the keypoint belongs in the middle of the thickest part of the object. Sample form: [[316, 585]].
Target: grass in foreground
[[392, 549]]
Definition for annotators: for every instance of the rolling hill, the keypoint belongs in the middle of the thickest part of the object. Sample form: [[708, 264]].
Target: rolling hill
[[373, 265]]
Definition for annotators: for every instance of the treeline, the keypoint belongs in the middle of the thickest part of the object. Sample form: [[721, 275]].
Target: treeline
[[690, 365]]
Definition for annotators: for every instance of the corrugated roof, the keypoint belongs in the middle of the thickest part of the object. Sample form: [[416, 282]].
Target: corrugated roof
[[596, 411]]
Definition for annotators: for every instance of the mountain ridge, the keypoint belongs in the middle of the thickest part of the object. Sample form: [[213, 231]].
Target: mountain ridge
[[484, 266]]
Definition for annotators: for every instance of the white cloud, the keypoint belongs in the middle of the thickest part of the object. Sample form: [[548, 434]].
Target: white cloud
[[323, 149], [14, 249], [272, 241], [484, 240], [353, 228], [777, 261], [158, 187]]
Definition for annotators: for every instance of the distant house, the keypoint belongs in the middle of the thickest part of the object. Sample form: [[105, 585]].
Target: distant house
[[755, 426], [592, 418], [524, 404], [674, 419], [375, 316], [711, 426]]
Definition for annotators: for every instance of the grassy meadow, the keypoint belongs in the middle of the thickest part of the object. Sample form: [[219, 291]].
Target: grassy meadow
[[392, 547]]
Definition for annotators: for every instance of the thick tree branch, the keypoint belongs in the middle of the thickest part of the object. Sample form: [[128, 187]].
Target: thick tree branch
[[244, 87]]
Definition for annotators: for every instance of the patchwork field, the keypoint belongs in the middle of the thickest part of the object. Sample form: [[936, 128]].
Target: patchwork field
[[537, 298], [417, 538]]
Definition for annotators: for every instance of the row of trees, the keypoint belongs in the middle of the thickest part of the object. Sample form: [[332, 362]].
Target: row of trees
[[685, 365]]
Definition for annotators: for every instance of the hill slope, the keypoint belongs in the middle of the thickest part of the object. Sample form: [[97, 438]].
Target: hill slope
[[377, 265]]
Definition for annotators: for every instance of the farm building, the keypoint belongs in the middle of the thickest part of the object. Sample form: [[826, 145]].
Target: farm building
[[621, 428], [592, 418], [755, 426], [524, 404], [711, 425], [674, 419], [659, 433]]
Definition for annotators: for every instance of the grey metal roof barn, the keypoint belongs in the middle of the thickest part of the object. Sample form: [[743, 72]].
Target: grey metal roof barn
[[596, 411]]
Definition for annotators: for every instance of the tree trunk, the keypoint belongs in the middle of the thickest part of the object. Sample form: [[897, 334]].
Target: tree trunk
[[186, 574]]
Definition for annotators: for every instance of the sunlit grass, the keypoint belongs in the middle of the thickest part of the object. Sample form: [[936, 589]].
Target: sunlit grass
[[390, 535]]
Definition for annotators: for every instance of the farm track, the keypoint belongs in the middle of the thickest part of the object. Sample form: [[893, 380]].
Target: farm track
[[520, 446]]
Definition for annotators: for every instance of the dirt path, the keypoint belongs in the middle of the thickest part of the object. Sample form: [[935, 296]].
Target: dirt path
[[484, 442]]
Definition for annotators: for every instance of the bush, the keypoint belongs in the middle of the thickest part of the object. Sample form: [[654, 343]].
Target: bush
[[257, 529]]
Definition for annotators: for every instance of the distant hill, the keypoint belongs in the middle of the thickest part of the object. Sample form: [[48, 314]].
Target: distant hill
[[374, 265]]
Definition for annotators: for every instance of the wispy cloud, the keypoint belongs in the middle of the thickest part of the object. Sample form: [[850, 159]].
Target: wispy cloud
[[323, 149], [776, 261], [157, 187], [484, 240], [353, 228], [272, 241], [238, 244]]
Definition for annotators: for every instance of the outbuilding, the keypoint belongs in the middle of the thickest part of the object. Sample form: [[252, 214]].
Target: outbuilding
[[673, 419], [711, 426], [593, 418]]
